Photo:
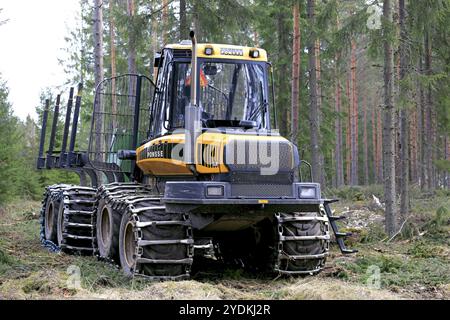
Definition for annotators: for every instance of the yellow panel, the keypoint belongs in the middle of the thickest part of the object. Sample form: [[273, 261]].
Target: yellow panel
[[173, 138], [217, 51], [167, 166], [164, 167], [216, 141]]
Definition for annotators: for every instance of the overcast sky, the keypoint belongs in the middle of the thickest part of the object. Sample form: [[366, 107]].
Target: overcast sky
[[30, 45]]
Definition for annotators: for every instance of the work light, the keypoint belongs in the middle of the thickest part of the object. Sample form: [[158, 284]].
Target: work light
[[215, 191], [209, 51], [254, 54]]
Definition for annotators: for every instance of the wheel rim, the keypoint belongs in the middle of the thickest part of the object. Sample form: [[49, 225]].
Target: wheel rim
[[105, 229], [129, 245], [60, 224], [49, 217]]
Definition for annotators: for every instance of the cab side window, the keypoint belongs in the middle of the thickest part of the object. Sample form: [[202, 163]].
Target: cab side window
[[159, 108]]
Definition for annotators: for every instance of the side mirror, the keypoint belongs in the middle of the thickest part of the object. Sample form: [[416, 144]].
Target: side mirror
[[158, 60], [210, 70]]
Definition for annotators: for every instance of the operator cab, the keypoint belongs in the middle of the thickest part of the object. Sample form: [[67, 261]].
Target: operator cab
[[232, 86], [207, 125]]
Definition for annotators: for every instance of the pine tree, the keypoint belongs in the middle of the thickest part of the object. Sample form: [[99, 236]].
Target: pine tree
[[9, 147], [388, 124], [314, 104], [295, 72], [98, 73], [404, 130]]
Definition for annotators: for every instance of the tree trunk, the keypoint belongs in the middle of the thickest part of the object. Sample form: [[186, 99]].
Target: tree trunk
[[413, 148], [422, 131], [365, 143], [318, 77], [295, 73], [447, 157], [131, 54], [256, 38], [155, 45], [184, 32], [338, 155], [98, 41], [314, 107], [165, 22], [132, 38], [196, 19], [388, 127], [380, 147], [98, 75], [112, 40], [404, 130], [374, 144], [428, 116], [283, 70], [354, 118], [348, 133], [319, 106]]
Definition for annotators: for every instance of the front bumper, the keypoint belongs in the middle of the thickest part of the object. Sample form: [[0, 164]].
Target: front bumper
[[206, 192]]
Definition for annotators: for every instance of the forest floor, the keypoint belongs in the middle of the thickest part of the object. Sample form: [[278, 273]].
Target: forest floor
[[413, 265]]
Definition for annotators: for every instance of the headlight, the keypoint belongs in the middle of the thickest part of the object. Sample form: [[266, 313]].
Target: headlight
[[308, 192], [254, 54], [209, 51], [215, 191]]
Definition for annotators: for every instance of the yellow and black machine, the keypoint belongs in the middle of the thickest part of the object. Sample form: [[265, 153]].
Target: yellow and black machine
[[189, 166]]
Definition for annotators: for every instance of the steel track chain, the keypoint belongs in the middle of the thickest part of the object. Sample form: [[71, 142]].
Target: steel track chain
[[137, 201], [114, 194], [49, 191], [284, 219], [78, 213]]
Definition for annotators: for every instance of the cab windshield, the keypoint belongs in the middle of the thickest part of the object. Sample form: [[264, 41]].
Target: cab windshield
[[230, 94]]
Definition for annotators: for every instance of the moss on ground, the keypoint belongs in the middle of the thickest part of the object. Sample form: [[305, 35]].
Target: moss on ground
[[413, 265]]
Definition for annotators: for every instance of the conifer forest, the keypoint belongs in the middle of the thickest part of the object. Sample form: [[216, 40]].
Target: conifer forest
[[361, 87]]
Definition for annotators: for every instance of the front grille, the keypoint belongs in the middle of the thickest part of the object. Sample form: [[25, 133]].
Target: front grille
[[210, 156], [256, 178], [261, 191], [241, 156]]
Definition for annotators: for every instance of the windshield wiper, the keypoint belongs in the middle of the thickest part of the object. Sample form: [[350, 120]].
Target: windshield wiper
[[261, 108]]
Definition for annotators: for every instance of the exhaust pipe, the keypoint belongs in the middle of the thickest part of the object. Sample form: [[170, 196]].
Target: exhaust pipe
[[193, 69], [192, 112]]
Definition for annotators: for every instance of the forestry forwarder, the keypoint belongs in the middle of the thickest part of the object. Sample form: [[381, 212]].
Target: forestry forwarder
[[212, 177]]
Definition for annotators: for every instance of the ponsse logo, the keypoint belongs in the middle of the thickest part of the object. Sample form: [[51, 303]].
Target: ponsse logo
[[231, 52], [154, 151], [163, 150], [155, 154]]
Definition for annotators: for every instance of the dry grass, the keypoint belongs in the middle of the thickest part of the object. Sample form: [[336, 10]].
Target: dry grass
[[28, 271]]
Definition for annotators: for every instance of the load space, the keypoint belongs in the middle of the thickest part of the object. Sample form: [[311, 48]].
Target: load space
[[184, 168]]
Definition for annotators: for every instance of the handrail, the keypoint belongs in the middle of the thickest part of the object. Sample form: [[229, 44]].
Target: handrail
[[300, 170]]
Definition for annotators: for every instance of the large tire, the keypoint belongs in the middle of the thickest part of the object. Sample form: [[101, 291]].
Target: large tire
[[51, 219], [163, 252], [111, 200], [317, 247], [74, 221], [277, 247], [127, 246], [107, 231]]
